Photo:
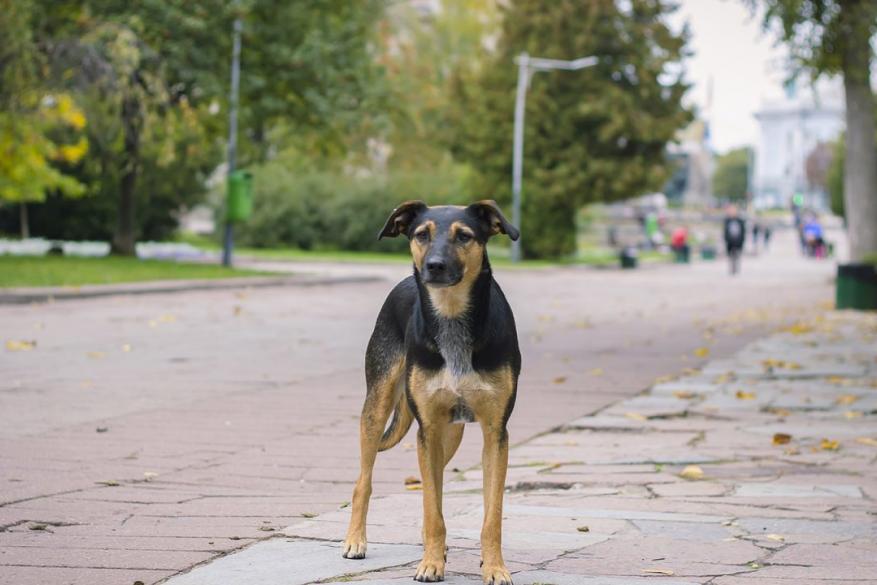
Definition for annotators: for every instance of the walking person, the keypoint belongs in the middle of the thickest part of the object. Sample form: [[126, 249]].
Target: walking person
[[735, 237]]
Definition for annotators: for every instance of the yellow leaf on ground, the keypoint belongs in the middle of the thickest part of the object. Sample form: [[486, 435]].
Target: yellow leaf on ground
[[15, 345], [668, 572], [829, 445], [597, 372], [635, 416], [779, 411], [775, 537], [414, 487], [167, 318], [411, 480], [583, 529], [846, 399], [692, 472], [684, 394], [800, 328], [126, 348], [781, 438], [559, 380], [743, 395], [851, 414], [867, 441], [702, 352], [96, 355]]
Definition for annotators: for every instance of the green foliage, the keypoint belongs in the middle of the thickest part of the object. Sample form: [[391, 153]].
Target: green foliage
[[593, 135], [325, 209], [40, 131], [730, 180]]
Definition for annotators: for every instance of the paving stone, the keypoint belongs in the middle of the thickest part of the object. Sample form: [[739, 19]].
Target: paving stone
[[279, 561], [786, 490]]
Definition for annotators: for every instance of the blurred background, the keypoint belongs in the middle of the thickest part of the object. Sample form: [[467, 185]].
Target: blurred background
[[116, 116]]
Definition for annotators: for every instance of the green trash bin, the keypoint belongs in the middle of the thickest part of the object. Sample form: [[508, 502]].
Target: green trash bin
[[856, 287], [240, 196]]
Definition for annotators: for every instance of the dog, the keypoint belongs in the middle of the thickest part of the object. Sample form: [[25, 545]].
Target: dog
[[444, 351]]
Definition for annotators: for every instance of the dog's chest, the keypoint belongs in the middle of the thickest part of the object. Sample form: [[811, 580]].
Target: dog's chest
[[457, 380]]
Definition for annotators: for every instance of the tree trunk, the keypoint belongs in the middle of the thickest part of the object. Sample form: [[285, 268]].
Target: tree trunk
[[23, 222], [860, 164], [124, 240]]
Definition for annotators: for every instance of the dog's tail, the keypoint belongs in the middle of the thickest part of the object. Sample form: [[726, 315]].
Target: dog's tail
[[399, 425]]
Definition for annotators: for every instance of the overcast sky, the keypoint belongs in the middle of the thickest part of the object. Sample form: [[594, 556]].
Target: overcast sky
[[745, 66]]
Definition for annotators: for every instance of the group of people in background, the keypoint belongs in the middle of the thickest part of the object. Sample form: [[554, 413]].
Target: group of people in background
[[810, 233]]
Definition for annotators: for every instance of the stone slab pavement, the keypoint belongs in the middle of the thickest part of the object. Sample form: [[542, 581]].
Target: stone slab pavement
[[757, 469], [143, 435]]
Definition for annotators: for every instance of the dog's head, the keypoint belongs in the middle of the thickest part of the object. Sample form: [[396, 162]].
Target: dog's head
[[447, 242]]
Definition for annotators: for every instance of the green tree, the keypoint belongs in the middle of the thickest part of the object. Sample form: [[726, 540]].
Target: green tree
[[834, 36], [40, 131], [731, 179], [593, 135]]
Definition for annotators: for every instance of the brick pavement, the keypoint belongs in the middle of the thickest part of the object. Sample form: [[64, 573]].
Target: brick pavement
[[754, 470], [145, 435]]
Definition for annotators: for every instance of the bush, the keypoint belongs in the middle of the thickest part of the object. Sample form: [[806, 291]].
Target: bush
[[321, 209]]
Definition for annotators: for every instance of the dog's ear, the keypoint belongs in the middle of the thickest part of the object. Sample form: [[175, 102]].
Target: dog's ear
[[401, 218], [488, 212]]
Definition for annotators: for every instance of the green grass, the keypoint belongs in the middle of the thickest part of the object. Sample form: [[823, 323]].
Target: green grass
[[66, 271]]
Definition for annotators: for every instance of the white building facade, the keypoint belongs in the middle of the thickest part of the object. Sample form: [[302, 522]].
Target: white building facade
[[791, 129]]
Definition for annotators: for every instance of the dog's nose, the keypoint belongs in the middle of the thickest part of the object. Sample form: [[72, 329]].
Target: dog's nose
[[435, 266]]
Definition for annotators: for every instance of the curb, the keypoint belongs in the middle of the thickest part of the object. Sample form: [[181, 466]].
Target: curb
[[21, 296]]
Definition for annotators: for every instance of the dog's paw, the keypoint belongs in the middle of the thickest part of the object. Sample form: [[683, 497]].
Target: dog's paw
[[354, 548], [496, 575], [430, 571]]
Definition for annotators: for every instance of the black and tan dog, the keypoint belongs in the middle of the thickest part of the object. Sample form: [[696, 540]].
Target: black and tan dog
[[444, 351]]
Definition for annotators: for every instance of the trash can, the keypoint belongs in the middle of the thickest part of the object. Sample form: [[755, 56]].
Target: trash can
[[856, 287], [682, 255], [628, 257], [240, 196]]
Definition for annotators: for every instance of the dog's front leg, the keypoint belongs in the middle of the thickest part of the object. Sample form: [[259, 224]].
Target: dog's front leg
[[431, 457], [494, 460]]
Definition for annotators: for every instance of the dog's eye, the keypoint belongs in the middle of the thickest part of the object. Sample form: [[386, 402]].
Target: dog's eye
[[463, 237], [422, 236]]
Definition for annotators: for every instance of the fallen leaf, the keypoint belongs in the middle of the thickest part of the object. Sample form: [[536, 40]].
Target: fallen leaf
[[775, 537], [597, 372], [851, 414], [343, 505], [583, 529], [101, 429], [635, 416], [791, 451], [559, 380], [702, 352], [838, 380], [829, 445], [800, 328], [413, 487], [237, 310], [570, 443], [684, 394], [781, 438], [846, 399], [667, 572], [167, 318], [692, 472], [743, 395], [149, 475], [867, 441], [126, 348], [266, 528], [96, 355], [14, 345], [309, 514], [779, 411], [38, 526], [108, 482], [411, 480]]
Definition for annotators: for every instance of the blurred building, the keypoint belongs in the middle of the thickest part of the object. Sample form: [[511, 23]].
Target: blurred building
[[691, 182], [794, 133]]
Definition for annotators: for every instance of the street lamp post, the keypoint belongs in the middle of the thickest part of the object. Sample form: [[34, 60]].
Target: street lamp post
[[527, 65], [228, 243]]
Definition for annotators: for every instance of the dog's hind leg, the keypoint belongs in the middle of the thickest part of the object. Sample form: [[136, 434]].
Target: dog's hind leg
[[380, 400]]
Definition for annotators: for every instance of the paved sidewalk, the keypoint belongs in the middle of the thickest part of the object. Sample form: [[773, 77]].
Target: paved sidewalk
[[758, 469]]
